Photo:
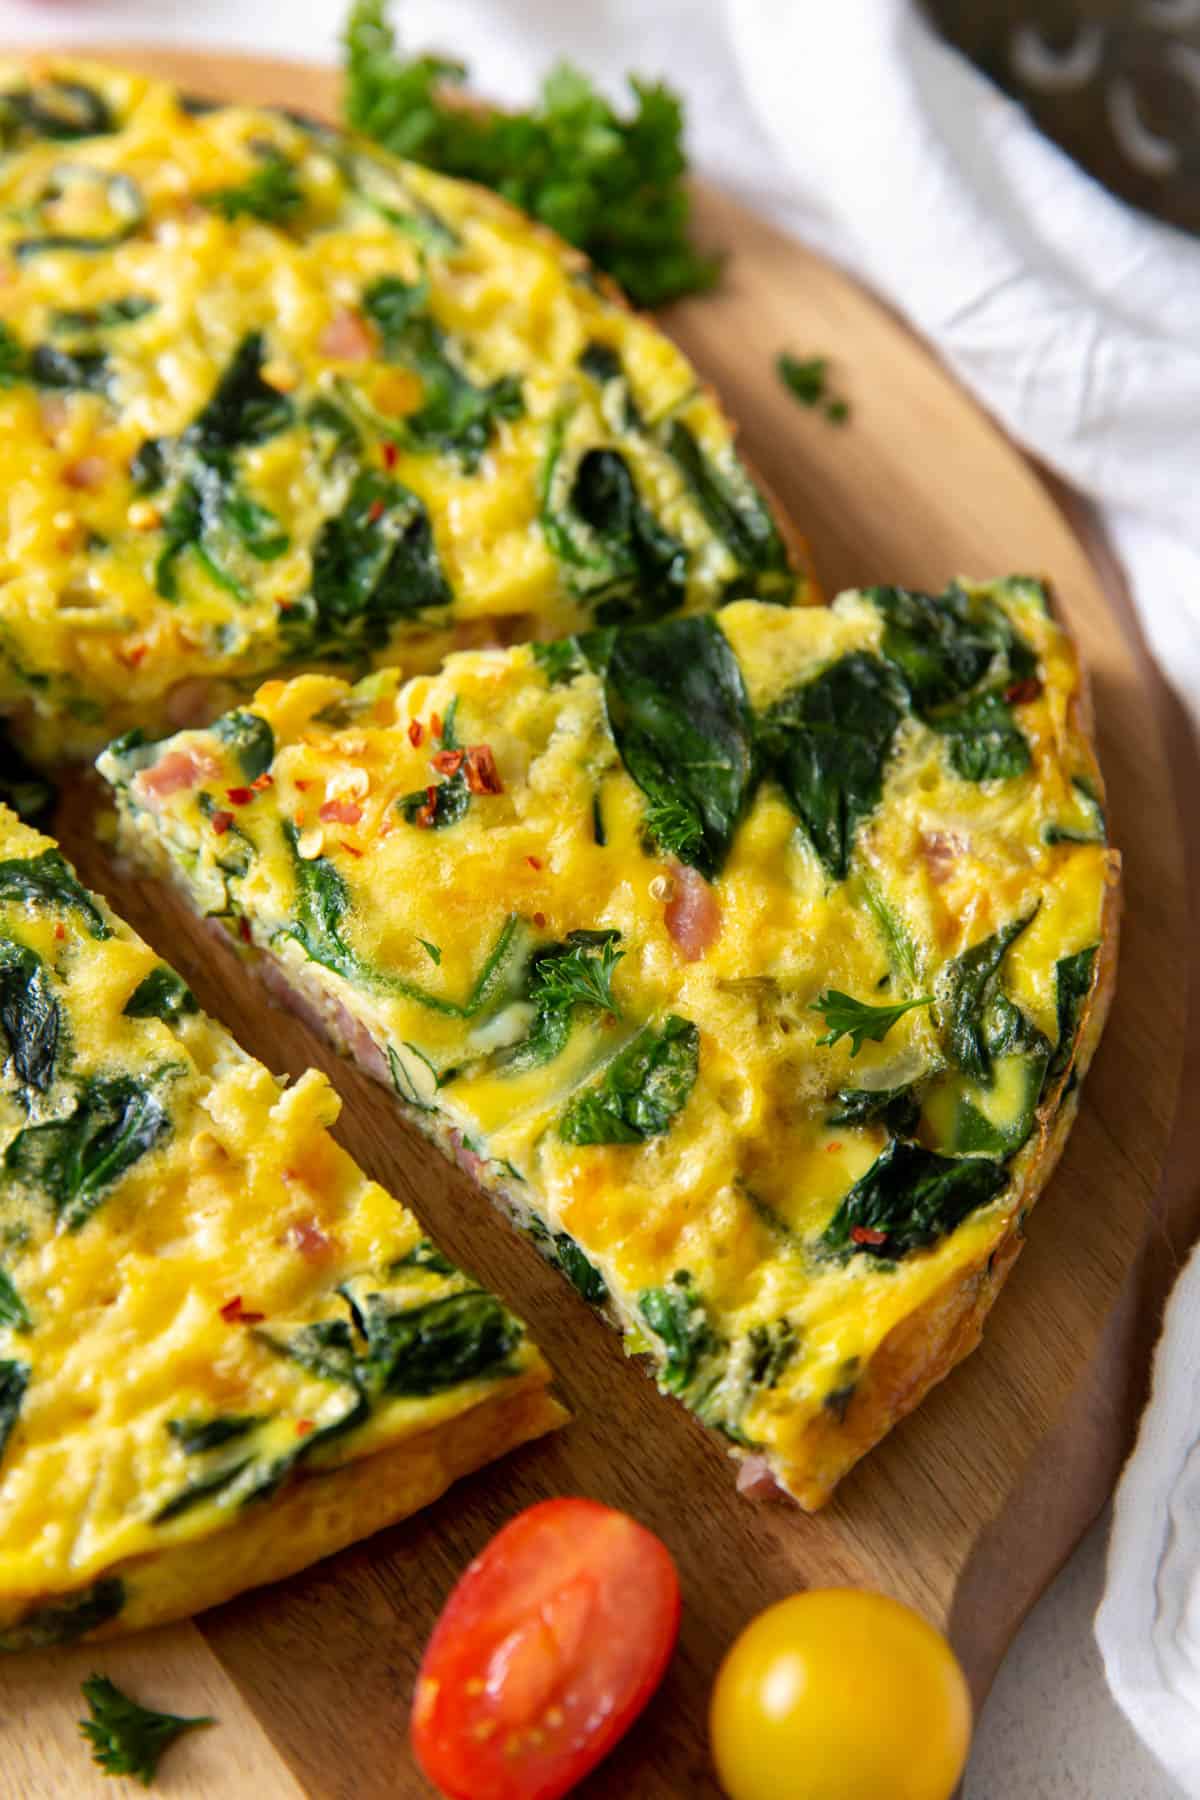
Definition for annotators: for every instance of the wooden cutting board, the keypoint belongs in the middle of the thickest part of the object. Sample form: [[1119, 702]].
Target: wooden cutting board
[[971, 1505]]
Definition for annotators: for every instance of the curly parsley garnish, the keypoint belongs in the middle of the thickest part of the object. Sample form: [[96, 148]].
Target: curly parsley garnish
[[612, 185], [807, 380], [855, 1019], [128, 1739]]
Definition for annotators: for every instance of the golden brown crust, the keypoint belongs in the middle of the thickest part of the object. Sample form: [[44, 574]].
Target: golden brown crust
[[324, 1511]]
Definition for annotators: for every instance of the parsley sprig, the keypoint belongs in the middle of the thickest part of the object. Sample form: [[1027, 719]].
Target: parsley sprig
[[128, 1739], [581, 973], [611, 184], [855, 1019]]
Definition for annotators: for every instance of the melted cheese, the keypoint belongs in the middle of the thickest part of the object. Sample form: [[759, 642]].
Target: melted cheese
[[97, 633], [178, 1228], [727, 1209]]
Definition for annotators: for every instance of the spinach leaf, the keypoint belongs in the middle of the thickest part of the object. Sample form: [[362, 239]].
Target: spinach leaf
[[678, 1317], [322, 904], [439, 804], [14, 1379], [560, 1249], [110, 204], [374, 563], [772, 1349], [455, 416], [1072, 985], [417, 1350], [60, 110], [858, 1020], [827, 743], [619, 559], [63, 1621], [50, 367], [48, 880], [909, 1198], [213, 517], [115, 1120], [270, 193], [562, 977], [251, 740], [559, 660], [423, 1255], [959, 657], [679, 717], [243, 408], [13, 1310], [897, 1109], [966, 991], [30, 1015], [162, 994], [194, 1436], [739, 516], [125, 310], [128, 1739], [640, 1092], [148, 466]]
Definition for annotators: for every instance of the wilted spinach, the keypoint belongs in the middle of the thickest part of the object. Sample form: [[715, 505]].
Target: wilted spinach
[[250, 738], [243, 408], [47, 880], [677, 1316], [679, 716], [641, 1091], [14, 1379], [1072, 985], [967, 992], [30, 1015], [619, 559], [63, 1621], [909, 1198], [114, 1121], [739, 516], [162, 994], [375, 562]]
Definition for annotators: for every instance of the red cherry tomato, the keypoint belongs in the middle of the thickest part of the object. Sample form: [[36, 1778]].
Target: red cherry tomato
[[545, 1653]]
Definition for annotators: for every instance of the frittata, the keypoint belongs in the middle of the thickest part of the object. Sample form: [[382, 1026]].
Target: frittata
[[752, 959], [269, 397], [224, 1352]]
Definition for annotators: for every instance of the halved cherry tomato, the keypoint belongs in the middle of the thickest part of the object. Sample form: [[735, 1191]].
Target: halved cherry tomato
[[545, 1653]]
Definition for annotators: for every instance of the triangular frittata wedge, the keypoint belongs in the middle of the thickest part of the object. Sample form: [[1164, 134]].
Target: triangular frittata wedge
[[751, 960], [224, 1352], [270, 397]]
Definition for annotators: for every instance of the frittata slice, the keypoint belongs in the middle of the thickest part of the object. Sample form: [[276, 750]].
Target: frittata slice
[[269, 396], [752, 959], [224, 1352]]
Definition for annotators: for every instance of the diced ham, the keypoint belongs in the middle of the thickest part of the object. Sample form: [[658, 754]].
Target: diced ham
[[327, 1017], [314, 1245], [87, 473], [347, 338], [172, 773], [940, 850], [341, 812], [756, 1481], [692, 913], [189, 702]]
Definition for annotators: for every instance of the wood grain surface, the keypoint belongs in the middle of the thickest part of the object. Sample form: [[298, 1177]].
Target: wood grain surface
[[971, 1505]]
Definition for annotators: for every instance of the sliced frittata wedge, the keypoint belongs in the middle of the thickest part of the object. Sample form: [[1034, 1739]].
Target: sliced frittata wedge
[[224, 1352], [269, 396], [751, 959]]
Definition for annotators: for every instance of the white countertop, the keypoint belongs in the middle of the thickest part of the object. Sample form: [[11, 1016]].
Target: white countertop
[[1050, 1730]]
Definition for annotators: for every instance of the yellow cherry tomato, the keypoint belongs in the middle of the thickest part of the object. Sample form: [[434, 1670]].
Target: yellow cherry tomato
[[840, 1694]]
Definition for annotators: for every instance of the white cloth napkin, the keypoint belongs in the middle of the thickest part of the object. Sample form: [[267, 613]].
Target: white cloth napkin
[[1075, 320]]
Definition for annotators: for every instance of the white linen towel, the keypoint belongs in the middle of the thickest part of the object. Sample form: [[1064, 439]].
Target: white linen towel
[[1074, 319]]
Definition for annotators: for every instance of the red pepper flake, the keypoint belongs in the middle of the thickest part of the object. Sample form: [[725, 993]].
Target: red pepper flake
[[535, 862], [448, 762], [375, 512], [220, 822], [239, 796], [390, 453], [265, 780], [483, 777], [234, 1313], [244, 930], [340, 812], [354, 851], [416, 731], [302, 785], [1021, 692], [832, 1149], [435, 725], [863, 1234], [303, 1427], [425, 815], [539, 919], [133, 656], [298, 818], [60, 930]]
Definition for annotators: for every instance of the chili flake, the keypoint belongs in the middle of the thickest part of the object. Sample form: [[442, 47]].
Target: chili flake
[[375, 512], [1021, 692], [303, 1427], [234, 1313], [425, 815], [239, 796], [483, 777], [435, 725], [535, 862], [221, 821], [265, 780], [390, 453], [539, 919], [864, 1234], [340, 812], [416, 731], [448, 762]]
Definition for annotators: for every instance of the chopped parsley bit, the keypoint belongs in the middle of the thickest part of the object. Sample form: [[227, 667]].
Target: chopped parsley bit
[[609, 184], [855, 1019], [433, 949], [128, 1739], [807, 379]]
